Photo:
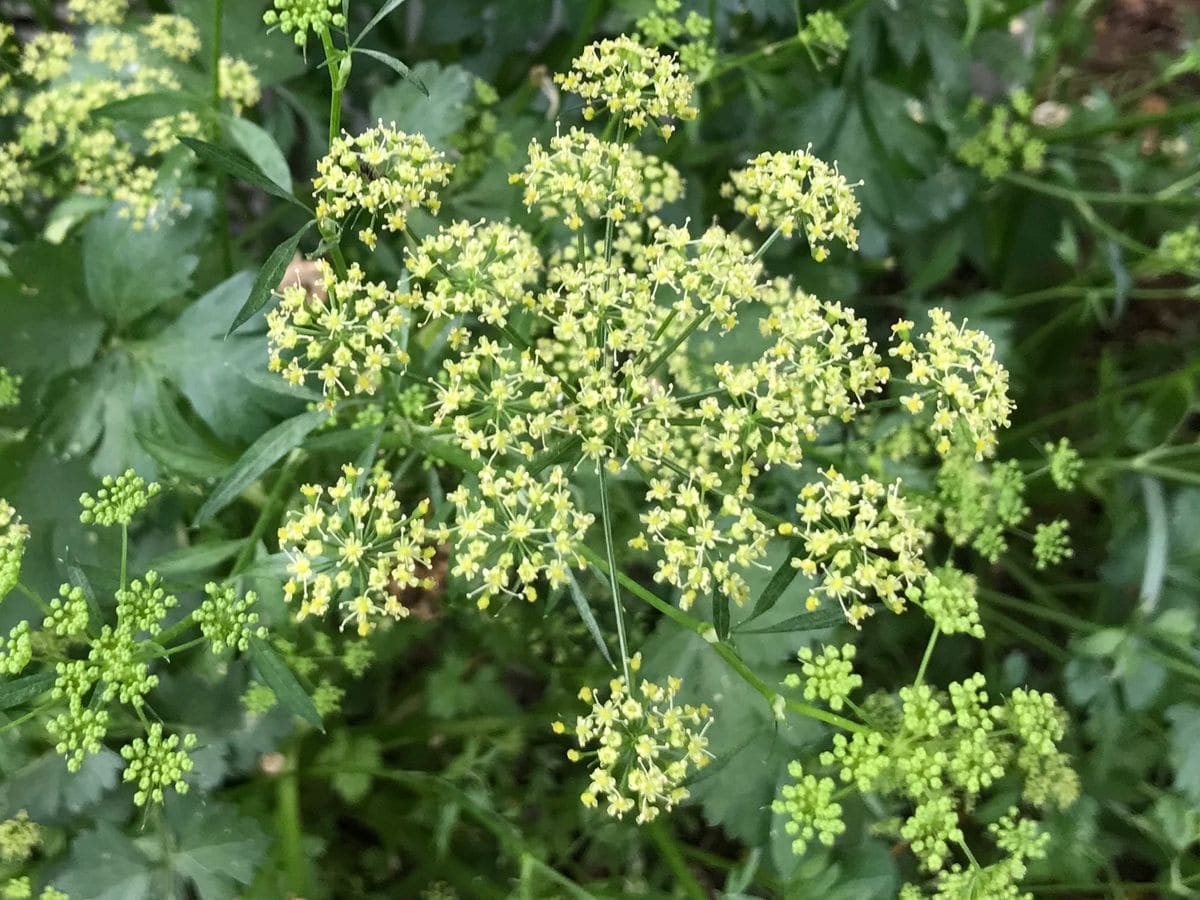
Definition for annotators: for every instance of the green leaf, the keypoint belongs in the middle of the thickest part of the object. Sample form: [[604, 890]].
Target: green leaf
[[396, 66], [384, 11], [1185, 738], [216, 847], [721, 615], [106, 865], [589, 618], [437, 115], [146, 107], [20, 690], [199, 558], [216, 374], [278, 677], [130, 272], [260, 456], [783, 577], [811, 621], [239, 167], [47, 790], [260, 148], [268, 279], [70, 212]]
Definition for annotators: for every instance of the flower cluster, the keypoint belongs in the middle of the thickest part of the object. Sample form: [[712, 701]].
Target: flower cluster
[[512, 528], [810, 809], [382, 174], [823, 31], [13, 535], [636, 84], [1052, 543], [302, 16], [157, 764], [97, 12], [348, 542], [690, 38], [948, 597], [582, 177], [979, 504], [10, 389], [238, 84], [173, 36], [828, 675], [645, 746], [955, 367], [1005, 142], [344, 333], [118, 500], [860, 538], [1179, 250], [796, 192], [1063, 463], [141, 607], [226, 620], [19, 837]]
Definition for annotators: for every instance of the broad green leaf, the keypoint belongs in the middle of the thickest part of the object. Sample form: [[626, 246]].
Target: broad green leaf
[[211, 371], [216, 847], [439, 114], [130, 272], [1185, 738], [401, 69], [268, 279], [384, 11], [272, 53], [106, 865], [238, 166], [198, 558], [19, 690], [146, 107], [47, 790], [260, 148], [278, 677], [70, 212], [260, 456]]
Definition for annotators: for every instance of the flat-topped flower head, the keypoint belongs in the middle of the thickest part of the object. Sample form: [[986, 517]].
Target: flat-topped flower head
[[644, 744], [47, 55], [239, 86], [828, 675], [861, 539], [635, 83], [349, 545], [382, 174], [344, 334], [581, 178], [13, 535], [118, 500], [812, 813], [948, 596], [960, 386], [1052, 543], [97, 12], [796, 192], [173, 36], [299, 17], [68, 614]]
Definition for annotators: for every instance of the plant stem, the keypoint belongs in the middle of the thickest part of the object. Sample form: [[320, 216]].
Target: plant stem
[[287, 823], [614, 582], [215, 98], [1120, 197], [674, 859], [933, 636], [124, 552]]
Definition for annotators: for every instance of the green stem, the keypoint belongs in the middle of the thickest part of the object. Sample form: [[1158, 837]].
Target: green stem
[[933, 636], [215, 98], [1182, 113], [287, 824], [124, 552], [1159, 198], [614, 582], [674, 859], [34, 597]]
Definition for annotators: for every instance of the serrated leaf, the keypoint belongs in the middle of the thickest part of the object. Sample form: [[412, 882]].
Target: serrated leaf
[[278, 677], [260, 148], [260, 456], [46, 789], [396, 66], [384, 11], [240, 167], [268, 279], [438, 114], [21, 690], [106, 865], [216, 847]]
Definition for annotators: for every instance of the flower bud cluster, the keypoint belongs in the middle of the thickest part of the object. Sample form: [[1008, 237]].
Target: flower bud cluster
[[645, 744], [226, 620], [1064, 464], [824, 32], [979, 503], [828, 675], [690, 38], [118, 500], [10, 387], [796, 192], [637, 84], [299, 17], [348, 545], [1179, 250], [1052, 543], [1006, 141], [157, 764], [97, 12], [955, 367], [948, 597], [13, 535]]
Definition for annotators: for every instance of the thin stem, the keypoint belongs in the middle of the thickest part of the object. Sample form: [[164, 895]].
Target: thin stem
[[1118, 197], [124, 552], [34, 597], [287, 822], [614, 582], [215, 98], [674, 859], [766, 245], [933, 636]]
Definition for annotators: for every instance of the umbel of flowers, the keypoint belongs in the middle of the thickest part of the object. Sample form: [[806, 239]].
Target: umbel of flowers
[[567, 367]]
